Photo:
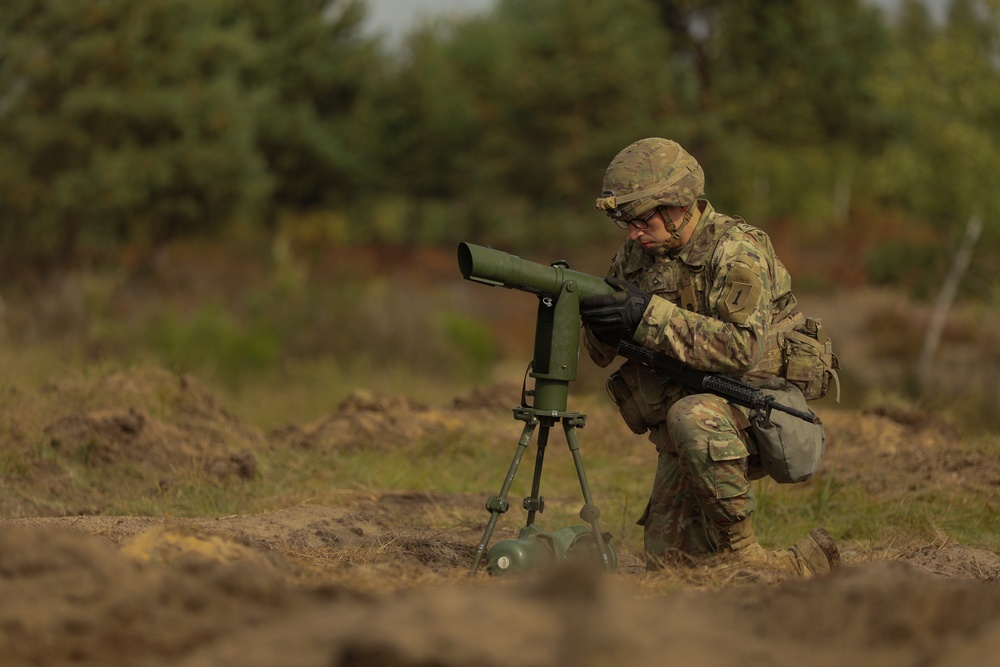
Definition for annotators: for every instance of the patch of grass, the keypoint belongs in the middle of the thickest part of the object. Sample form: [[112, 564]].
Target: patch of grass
[[13, 463], [193, 498], [864, 520]]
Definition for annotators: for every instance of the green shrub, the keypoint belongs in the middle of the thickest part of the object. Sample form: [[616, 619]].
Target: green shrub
[[474, 342], [215, 341], [913, 265]]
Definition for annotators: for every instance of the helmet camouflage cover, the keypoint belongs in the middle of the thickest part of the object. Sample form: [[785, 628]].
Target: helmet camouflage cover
[[649, 173]]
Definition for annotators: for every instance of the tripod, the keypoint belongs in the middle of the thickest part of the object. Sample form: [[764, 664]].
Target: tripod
[[498, 504]]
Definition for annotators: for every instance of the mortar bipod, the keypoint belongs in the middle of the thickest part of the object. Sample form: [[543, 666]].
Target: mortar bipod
[[497, 505]]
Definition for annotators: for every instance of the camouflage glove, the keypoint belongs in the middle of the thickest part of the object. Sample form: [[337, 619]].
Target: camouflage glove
[[613, 313]]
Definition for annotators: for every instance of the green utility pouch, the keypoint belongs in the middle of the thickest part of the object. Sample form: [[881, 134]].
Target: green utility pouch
[[809, 361], [641, 395], [790, 448], [622, 396]]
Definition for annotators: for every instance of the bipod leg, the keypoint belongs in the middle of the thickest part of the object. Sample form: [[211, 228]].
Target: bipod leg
[[590, 513], [534, 502], [498, 504]]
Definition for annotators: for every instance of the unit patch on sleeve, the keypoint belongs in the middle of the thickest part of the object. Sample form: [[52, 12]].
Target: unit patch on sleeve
[[740, 294]]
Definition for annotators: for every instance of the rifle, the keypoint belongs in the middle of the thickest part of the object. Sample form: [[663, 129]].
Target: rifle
[[727, 387]]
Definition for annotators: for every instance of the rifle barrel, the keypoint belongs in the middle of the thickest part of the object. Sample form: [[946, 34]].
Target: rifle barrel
[[795, 412]]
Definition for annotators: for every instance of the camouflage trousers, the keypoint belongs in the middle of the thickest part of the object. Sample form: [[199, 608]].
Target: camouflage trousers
[[701, 479]]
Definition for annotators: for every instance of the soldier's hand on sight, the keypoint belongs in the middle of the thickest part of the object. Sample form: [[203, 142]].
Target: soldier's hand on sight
[[618, 312]]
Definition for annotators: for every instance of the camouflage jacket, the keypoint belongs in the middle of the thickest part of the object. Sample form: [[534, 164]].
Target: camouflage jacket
[[719, 304]]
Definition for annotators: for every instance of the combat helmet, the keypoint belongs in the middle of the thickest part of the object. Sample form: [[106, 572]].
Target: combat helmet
[[649, 173]]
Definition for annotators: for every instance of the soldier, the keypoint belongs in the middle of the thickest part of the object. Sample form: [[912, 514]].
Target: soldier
[[708, 290]]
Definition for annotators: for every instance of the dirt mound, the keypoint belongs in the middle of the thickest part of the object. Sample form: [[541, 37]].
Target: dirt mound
[[112, 437], [893, 449], [366, 420], [385, 422], [956, 561], [304, 541], [185, 543], [140, 432], [70, 598], [500, 397], [886, 431], [888, 613]]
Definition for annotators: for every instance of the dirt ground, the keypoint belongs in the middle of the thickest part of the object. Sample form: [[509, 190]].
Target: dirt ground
[[306, 585]]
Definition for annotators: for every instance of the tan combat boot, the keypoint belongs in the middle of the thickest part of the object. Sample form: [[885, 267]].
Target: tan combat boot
[[814, 554]]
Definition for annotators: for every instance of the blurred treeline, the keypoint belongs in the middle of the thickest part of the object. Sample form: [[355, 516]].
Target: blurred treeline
[[137, 123]]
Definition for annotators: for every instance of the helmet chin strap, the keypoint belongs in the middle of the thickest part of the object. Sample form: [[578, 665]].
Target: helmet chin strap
[[687, 218], [674, 242]]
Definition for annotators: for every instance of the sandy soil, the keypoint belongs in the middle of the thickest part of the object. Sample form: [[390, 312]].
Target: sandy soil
[[307, 585]]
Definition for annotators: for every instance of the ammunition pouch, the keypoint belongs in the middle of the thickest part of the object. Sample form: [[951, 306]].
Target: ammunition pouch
[[809, 361], [799, 350]]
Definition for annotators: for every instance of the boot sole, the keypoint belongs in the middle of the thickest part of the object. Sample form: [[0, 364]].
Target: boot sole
[[828, 545]]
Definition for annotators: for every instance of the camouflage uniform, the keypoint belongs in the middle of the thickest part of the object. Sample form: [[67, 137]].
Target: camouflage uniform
[[719, 303]]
